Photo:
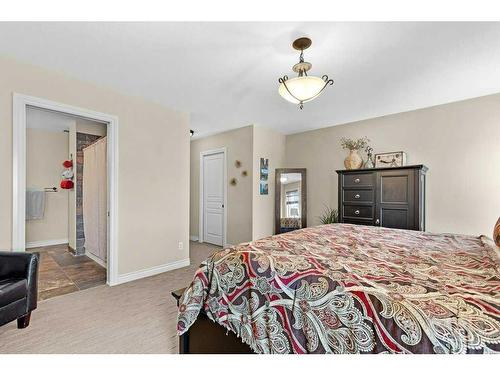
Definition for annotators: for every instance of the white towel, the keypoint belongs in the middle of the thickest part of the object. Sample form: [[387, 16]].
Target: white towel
[[35, 204]]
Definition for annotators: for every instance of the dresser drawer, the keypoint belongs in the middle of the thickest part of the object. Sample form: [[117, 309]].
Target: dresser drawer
[[358, 179], [354, 195], [358, 221], [358, 212]]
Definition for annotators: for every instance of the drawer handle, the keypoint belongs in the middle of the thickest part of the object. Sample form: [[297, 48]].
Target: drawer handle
[[356, 212], [357, 196], [357, 181]]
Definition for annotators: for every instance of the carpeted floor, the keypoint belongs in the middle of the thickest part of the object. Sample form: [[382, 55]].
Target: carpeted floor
[[136, 317]]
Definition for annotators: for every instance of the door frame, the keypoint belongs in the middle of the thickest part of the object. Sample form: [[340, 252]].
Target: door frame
[[20, 104], [202, 213]]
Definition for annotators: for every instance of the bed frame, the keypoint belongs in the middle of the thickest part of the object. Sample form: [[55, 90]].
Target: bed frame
[[208, 337]]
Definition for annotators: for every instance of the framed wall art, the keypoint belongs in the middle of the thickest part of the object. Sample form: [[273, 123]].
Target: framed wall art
[[390, 159], [264, 176]]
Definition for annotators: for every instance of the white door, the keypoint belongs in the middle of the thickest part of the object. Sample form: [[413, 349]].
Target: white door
[[213, 198]]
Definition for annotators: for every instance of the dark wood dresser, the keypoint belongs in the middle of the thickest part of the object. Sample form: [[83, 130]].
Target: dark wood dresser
[[388, 197]]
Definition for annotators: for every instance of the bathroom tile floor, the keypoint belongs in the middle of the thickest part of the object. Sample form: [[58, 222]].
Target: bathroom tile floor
[[60, 272]]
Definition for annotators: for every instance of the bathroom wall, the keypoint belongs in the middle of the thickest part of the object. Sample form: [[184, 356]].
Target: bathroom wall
[[45, 152]]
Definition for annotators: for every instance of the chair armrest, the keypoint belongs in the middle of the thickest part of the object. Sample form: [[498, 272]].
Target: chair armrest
[[17, 265]]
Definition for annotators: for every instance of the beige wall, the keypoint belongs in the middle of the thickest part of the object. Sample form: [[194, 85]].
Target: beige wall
[[45, 152], [239, 198], [153, 163], [459, 142], [87, 127], [267, 144]]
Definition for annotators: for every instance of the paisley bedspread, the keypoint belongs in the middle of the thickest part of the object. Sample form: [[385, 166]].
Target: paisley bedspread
[[345, 288]]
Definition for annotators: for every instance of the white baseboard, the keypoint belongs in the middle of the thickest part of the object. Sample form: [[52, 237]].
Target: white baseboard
[[194, 238], [30, 245], [126, 277]]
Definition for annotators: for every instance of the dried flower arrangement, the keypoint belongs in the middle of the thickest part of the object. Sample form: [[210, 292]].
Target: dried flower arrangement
[[351, 144]]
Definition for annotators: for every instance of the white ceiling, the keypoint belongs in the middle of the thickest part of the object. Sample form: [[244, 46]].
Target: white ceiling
[[48, 120], [226, 74], [38, 118]]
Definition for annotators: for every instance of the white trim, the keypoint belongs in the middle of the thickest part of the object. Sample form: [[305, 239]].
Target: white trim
[[194, 238], [18, 173], [203, 154], [19, 104], [126, 277], [95, 259], [31, 245]]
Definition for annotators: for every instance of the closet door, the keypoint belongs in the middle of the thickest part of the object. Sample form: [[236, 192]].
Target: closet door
[[90, 201], [102, 189], [395, 201]]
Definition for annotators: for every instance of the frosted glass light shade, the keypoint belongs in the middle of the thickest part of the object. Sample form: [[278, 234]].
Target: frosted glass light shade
[[304, 89]]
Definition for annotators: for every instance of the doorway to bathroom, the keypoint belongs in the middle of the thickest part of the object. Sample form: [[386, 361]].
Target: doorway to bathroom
[[65, 193]]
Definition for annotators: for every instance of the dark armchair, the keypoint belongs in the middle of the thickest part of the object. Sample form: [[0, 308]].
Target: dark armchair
[[18, 287]]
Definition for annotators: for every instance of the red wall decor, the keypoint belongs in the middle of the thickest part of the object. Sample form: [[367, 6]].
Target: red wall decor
[[67, 175], [67, 184]]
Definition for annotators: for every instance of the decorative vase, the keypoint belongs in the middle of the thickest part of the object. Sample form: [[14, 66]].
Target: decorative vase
[[369, 162], [353, 160]]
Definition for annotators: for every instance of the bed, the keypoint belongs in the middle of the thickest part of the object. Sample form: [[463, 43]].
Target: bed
[[345, 288]]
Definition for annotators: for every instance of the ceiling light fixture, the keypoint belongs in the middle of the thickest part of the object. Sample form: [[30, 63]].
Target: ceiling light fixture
[[303, 88]]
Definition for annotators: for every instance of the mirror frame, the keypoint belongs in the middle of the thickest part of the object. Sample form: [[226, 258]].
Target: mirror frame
[[277, 196]]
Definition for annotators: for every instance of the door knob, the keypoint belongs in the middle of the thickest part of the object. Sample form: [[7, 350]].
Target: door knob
[[357, 180], [357, 196], [356, 212], [377, 222]]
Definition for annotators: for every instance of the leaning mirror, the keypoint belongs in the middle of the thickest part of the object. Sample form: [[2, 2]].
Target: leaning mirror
[[290, 199]]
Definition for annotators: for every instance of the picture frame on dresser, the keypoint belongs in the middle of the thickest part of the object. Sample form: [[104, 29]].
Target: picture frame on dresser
[[390, 159]]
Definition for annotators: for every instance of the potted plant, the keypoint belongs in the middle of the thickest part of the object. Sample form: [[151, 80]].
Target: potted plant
[[354, 159], [329, 216]]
